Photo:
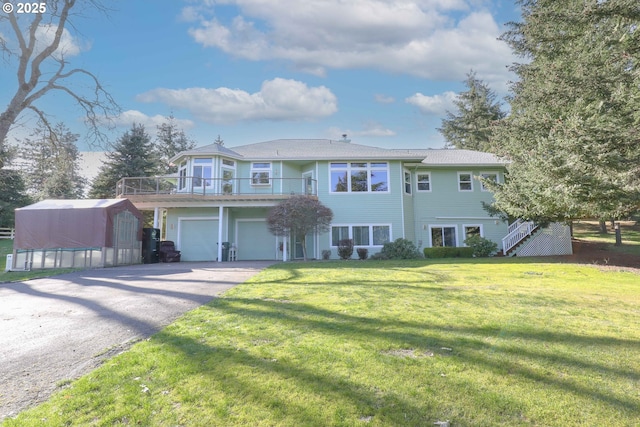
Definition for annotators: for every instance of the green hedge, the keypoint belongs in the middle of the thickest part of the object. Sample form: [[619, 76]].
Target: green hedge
[[448, 252]]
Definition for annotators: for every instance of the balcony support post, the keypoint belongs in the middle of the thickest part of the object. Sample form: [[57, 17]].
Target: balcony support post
[[155, 217], [220, 221]]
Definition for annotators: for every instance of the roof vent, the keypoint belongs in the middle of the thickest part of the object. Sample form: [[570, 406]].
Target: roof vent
[[345, 139]]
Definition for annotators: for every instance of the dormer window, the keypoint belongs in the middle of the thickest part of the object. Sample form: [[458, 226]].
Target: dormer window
[[260, 173]]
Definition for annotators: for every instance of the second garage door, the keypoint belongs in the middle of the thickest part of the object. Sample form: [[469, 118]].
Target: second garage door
[[199, 239], [255, 242]]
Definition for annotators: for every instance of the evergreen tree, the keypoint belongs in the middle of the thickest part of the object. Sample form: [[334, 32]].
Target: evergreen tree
[[131, 156], [170, 141], [572, 134], [477, 112], [13, 194], [52, 170]]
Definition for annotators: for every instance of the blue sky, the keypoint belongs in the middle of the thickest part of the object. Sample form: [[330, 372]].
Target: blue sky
[[382, 72]]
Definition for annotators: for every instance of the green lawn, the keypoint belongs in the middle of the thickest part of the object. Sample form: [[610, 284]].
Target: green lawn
[[510, 342], [6, 247], [630, 233]]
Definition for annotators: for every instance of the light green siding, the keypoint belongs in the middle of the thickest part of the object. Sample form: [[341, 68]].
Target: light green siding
[[446, 206], [363, 208]]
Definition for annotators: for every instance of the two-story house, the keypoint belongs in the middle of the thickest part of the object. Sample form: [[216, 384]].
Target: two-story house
[[223, 194]]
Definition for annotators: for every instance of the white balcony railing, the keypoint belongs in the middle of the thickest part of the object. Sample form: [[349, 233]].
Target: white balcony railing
[[189, 185]]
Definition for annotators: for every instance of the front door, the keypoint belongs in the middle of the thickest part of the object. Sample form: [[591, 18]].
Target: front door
[[308, 183]]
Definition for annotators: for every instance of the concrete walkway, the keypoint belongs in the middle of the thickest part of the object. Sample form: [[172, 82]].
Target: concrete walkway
[[59, 328]]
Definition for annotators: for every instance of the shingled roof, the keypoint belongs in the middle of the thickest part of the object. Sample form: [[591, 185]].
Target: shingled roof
[[328, 149]]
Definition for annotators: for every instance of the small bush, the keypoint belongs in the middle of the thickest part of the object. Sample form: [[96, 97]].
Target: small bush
[[363, 253], [448, 252], [481, 247], [379, 256], [326, 254], [400, 249], [345, 248]]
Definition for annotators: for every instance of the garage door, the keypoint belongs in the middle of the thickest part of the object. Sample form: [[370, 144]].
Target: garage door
[[255, 242], [198, 239]]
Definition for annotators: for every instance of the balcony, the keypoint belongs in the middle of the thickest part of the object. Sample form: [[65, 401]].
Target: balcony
[[149, 192]]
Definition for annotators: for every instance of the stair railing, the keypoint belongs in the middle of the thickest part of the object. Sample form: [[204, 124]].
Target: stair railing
[[518, 231]]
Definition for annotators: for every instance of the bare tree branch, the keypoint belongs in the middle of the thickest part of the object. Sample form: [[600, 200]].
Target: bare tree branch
[[32, 54]]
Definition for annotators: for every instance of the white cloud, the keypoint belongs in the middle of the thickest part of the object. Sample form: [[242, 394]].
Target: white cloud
[[384, 99], [436, 104], [278, 99], [436, 39], [129, 117], [67, 47]]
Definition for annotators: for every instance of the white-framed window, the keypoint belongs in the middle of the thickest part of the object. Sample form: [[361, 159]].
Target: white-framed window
[[465, 181], [359, 177], [362, 234], [407, 182], [471, 230], [489, 176], [260, 173], [202, 169], [228, 176], [182, 176], [424, 181], [442, 235]]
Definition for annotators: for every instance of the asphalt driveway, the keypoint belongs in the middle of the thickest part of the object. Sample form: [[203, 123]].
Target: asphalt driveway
[[59, 328]]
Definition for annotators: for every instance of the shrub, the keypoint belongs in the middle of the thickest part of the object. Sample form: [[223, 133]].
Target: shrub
[[448, 252], [345, 248], [326, 254], [379, 256], [363, 253], [400, 249], [481, 247]]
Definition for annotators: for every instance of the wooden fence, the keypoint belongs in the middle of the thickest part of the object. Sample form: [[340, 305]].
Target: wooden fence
[[7, 233]]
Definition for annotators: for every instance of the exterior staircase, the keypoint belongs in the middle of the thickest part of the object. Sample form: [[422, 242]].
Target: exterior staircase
[[518, 232]]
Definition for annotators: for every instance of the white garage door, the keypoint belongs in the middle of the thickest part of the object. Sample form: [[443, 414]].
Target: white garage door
[[198, 239], [255, 242]]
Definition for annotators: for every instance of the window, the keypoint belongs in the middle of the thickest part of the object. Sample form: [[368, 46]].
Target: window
[[407, 182], [339, 233], [489, 176], [202, 173], [260, 173], [464, 181], [381, 235], [227, 181], [227, 162], [424, 181], [362, 235], [472, 230], [359, 177], [443, 236], [182, 176]]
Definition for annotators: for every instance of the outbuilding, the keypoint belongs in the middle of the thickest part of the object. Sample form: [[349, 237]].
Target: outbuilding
[[77, 234]]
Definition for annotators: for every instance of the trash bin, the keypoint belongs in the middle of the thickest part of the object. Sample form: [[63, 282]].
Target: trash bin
[[225, 251]]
